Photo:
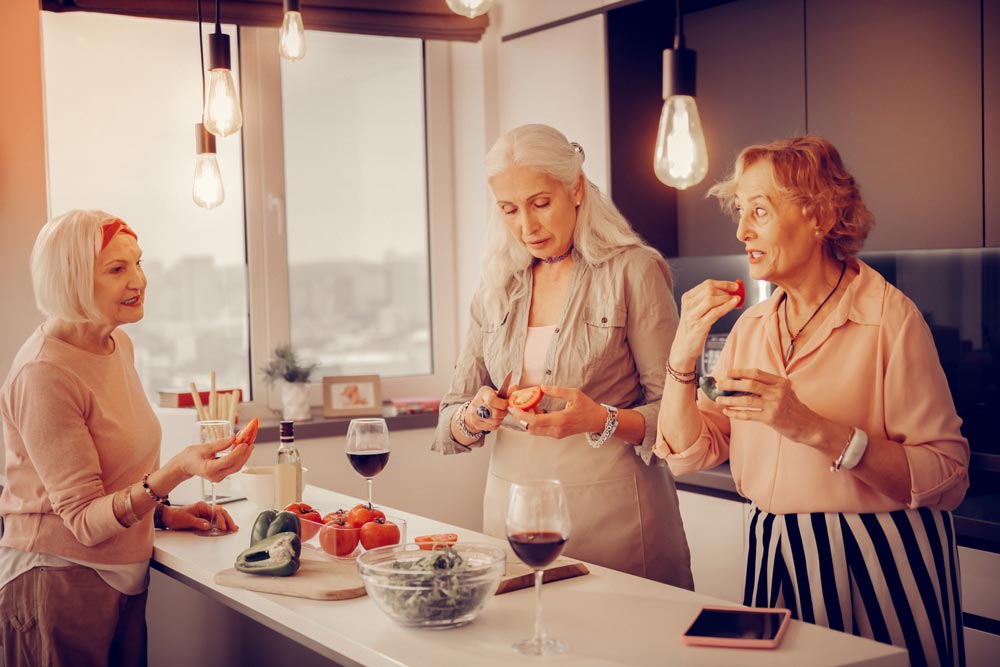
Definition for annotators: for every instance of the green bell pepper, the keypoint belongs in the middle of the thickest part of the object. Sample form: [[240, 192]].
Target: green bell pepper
[[707, 384], [271, 522], [274, 556]]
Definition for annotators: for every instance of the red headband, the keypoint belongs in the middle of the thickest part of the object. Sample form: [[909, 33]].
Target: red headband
[[112, 227]]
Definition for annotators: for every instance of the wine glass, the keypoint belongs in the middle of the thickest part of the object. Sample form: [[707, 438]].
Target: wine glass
[[210, 431], [537, 529], [368, 448]]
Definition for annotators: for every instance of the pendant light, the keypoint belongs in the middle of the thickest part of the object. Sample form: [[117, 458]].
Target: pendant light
[[292, 41], [207, 190], [470, 8], [681, 158], [222, 104]]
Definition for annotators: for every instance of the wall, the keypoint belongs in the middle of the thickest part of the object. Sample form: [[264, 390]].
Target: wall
[[23, 204]]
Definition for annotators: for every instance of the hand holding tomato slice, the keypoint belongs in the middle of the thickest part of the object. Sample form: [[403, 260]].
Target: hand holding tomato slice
[[248, 433], [308, 517], [740, 291], [525, 399]]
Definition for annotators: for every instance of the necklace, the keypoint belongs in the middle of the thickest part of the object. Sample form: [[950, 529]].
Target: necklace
[[791, 336], [557, 258]]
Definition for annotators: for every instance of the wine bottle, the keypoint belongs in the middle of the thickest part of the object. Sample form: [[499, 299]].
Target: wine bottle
[[288, 471]]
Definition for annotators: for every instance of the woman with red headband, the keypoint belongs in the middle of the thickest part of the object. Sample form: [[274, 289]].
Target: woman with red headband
[[82, 450]]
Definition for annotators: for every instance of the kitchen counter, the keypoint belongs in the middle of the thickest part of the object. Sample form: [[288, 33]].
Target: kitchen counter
[[639, 621]]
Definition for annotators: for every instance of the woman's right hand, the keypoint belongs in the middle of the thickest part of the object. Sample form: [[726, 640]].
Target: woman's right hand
[[486, 396], [200, 461], [701, 307]]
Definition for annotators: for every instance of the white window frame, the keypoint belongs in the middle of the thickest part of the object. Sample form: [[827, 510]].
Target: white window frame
[[267, 256]]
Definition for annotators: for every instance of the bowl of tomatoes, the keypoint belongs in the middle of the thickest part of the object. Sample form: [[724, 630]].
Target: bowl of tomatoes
[[346, 533], [436, 588]]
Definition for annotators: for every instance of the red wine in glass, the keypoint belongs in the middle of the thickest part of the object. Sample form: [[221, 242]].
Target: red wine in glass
[[368, 463], [537, 548]]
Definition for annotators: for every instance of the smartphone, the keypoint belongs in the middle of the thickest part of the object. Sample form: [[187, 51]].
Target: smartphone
[[738, 627]]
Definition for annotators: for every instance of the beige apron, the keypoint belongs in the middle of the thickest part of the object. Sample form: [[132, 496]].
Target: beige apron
[[623, 513]]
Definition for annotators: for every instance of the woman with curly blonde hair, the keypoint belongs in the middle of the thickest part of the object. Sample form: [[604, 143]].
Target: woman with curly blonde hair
[[835, 414]]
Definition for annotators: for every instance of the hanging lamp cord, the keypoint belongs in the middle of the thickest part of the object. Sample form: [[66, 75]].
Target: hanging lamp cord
[[201, 53], [678, 27], [218, 25]]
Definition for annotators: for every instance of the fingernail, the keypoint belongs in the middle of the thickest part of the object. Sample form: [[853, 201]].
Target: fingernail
[[205, 525]]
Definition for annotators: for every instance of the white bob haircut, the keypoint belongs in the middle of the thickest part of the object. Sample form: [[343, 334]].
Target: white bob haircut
[[601, 231], [62, 265]]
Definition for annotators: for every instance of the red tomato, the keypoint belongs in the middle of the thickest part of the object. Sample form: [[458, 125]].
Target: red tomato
[[339, 538], [362, 514], [740, 291], [309, 518], [429, 542], [248, 433], [379, 533], [525, 399]]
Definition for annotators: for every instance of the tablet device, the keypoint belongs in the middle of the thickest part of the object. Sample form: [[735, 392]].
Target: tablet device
[[738, 627]]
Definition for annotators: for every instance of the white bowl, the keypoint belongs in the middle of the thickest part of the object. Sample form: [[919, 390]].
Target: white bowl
[[257, 484]]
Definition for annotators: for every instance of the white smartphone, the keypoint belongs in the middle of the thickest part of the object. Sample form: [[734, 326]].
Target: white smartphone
[[738, 627]]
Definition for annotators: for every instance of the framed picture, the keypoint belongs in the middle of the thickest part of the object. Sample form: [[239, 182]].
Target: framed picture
[[352, 396]]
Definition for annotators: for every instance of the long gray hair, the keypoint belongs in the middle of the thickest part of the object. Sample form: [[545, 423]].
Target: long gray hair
[[601, 231]]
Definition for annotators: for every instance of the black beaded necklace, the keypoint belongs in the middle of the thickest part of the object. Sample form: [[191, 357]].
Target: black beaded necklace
[[792, 337], [556, 259]]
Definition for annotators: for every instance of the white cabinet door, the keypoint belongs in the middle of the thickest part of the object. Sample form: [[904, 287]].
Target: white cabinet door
[[980, 583], [716, 536], [981, 648], [559, 77]]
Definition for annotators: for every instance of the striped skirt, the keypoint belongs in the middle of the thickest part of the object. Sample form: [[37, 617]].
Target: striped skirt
[[889, 576]]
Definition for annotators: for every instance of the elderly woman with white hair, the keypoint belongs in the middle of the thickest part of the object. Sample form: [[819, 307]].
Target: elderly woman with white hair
[[84, 483], [572, 300]]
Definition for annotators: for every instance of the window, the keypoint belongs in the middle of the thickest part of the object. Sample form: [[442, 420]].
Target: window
[[356, 205], [120, 137], [323, 239]]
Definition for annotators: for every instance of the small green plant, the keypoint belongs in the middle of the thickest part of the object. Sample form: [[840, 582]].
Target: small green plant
[[284, 365]]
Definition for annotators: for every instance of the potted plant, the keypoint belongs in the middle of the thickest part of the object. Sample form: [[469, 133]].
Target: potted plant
[[285, 367]]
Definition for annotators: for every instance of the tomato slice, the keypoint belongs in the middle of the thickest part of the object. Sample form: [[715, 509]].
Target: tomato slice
[[525, 399], [430, 542], [248, 433], [740, 291]]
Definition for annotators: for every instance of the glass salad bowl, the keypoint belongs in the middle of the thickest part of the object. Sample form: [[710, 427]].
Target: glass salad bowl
[[445, 587]]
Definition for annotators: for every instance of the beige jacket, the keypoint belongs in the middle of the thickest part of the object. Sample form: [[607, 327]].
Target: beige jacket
[[611, 342]]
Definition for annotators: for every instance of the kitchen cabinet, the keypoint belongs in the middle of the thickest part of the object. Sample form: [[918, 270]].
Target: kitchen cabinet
[[980, 596], [897, 88], [750, 71], [716, 535], [991, 118], [559, 77]]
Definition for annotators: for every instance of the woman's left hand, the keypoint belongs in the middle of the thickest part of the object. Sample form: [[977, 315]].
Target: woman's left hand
[[197, 517], [770, 401], [581, 415]]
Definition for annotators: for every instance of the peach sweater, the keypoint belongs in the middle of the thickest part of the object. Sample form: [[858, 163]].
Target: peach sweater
[[77, 427], [871, 364]]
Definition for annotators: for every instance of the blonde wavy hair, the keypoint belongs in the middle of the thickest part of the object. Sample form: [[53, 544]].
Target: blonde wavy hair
[[809, 171], [601, 231]]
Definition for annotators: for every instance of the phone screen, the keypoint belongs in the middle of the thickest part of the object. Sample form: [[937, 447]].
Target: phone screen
[[737, 624]]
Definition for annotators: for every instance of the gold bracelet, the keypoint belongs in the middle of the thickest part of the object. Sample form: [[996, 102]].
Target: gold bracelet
[[684, 377], [130, 514]]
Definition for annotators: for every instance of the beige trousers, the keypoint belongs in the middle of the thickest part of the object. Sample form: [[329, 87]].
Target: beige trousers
[[68, 616]]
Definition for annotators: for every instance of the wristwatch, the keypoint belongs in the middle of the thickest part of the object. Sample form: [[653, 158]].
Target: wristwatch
[[610, 426]]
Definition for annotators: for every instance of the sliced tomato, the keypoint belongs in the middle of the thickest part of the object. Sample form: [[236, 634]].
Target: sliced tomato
[[429, 542], [525, 399], [740, 291], [248, 433]]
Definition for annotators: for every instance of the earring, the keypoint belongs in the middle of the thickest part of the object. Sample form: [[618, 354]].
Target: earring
[[818, 234], [578, 204]]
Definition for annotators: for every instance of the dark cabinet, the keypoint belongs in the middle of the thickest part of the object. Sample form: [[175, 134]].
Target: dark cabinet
[[897, 87], [750, 89], [991, 117]]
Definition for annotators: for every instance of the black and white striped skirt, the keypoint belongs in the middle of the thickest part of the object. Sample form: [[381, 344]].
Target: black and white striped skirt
[[889, 576]]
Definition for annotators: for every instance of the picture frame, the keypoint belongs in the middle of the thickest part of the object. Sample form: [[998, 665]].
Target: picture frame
[[352, 396]]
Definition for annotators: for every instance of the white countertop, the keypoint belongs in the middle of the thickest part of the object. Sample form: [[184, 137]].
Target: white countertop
[[607, 618]]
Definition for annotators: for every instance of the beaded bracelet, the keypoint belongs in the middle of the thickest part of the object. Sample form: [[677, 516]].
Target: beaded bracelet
[[684, 377], [159, 500], [460, 423]]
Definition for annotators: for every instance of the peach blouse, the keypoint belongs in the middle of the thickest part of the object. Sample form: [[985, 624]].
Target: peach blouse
[[871, 364]]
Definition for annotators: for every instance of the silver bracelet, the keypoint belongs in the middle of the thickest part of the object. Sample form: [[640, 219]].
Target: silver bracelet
[[610, 426], [460, 423]]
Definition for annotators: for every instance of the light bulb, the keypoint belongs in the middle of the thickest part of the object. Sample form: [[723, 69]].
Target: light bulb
[[681, 159], [292, 43], [470, 8], [222, 105], [206, 190]]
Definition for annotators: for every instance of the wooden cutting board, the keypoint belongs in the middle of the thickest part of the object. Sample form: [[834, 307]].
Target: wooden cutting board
[[339, 579]]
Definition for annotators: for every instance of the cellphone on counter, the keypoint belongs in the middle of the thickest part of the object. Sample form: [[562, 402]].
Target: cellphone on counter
[[738, 627]]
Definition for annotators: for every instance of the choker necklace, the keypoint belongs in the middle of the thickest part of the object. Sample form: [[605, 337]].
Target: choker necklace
[[556, 259], [791, 336]]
